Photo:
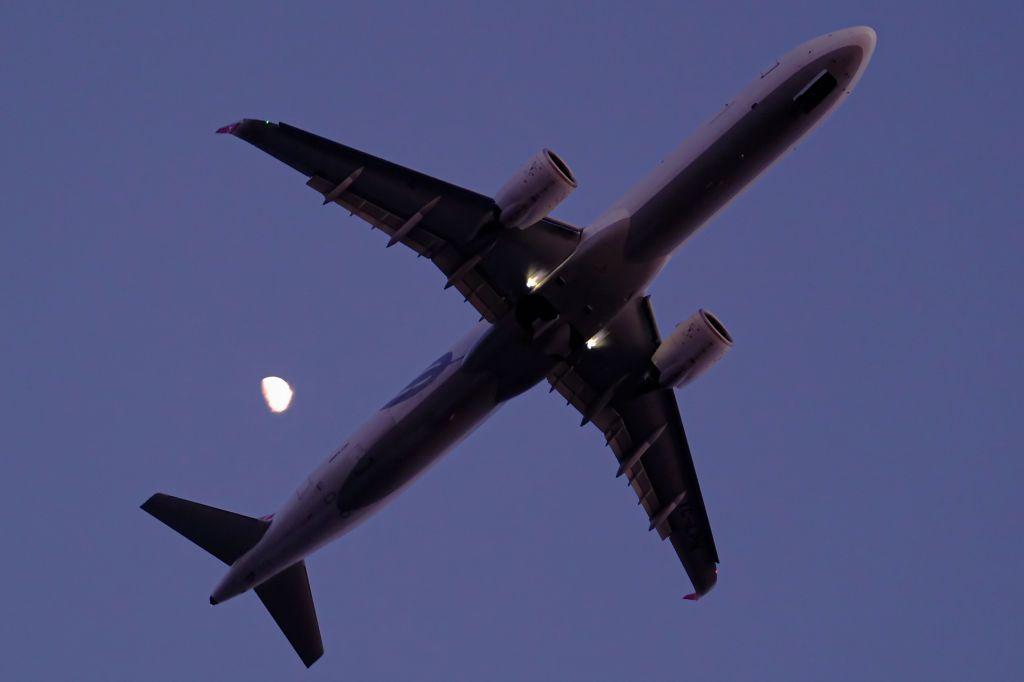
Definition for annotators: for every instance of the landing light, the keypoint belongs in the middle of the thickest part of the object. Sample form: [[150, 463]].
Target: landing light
[[596, 341], [277, 393], [533, 280]]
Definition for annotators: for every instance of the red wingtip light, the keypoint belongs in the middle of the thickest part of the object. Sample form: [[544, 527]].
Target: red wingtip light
[[692, 596]]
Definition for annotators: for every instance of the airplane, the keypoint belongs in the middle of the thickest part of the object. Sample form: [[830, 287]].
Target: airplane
[[556, 303]]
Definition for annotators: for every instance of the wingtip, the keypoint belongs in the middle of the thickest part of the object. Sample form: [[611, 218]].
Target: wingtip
[[704, 586], [229, 129], [246, 125]]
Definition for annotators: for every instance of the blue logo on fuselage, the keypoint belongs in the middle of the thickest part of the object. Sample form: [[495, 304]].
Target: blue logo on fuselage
[[423, 380]]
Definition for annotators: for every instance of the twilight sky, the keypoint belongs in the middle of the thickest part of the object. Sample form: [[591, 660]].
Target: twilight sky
[[860, 450]]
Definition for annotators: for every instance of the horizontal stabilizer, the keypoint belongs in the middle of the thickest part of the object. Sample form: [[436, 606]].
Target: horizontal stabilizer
[[288, 598], [223, 534]]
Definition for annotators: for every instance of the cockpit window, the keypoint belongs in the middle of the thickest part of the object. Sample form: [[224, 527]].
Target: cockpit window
[[815, 92]]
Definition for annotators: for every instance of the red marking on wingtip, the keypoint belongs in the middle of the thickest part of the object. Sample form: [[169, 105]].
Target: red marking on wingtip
[[228, 129], [692, 596]]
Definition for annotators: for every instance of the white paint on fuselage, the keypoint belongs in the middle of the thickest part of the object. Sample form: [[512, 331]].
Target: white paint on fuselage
[[600, 279]]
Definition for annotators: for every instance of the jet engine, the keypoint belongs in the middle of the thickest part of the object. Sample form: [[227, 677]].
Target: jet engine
[[533, 192], [691, 349]]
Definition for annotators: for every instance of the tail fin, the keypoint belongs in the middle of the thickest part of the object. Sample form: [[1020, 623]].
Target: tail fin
[[223, 534], [288, 598], [228, 536]]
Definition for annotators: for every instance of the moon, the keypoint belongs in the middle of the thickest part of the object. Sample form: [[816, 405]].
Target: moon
[[277, 393]]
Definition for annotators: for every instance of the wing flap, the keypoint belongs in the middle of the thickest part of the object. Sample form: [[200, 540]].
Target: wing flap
[[419, 239], [382, 182]]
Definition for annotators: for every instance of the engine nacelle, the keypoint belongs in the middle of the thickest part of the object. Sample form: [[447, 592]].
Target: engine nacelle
[[691, 349], [533, 192]]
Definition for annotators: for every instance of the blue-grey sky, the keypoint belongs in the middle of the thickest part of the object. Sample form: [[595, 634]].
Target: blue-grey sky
[[859, 450]]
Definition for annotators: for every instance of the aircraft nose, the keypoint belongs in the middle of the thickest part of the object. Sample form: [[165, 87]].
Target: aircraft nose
[[863, 37], [852, 49]]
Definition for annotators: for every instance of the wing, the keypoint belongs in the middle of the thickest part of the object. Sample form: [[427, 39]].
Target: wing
[[454, 227], [608, 385]]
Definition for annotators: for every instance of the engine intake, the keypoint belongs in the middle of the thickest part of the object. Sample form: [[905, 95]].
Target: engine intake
[[535, 190], [691, 349]]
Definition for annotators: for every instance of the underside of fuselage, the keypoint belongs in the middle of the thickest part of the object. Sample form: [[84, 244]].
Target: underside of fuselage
[[768, 125]]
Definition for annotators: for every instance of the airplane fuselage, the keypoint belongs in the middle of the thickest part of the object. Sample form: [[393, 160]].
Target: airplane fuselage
[[620, 254]]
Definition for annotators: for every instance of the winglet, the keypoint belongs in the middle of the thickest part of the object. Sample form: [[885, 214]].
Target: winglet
[[229, 129]]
